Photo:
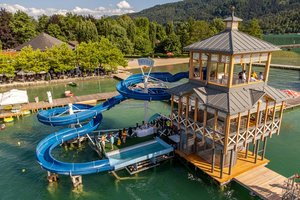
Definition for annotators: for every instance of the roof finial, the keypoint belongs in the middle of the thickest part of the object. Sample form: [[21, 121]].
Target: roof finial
[[232, 11]]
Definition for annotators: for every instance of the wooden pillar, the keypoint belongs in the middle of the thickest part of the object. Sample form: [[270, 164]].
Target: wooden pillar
[[230, 161], [267, 67], [187, 119], [222, 164], [227, 131], [238, 125], [195, 115], [247, 128], [191, 66], [172, 109], [200, 66], [215, 123], [265, 120], [213, 160], [273, 119], [179, 111], [256, 151], [256, 122], [247, 150], [280, 116], [208, 67], [225, 68], [217, 71], [231, 69], [249, 72], [264, 149], [204, 123]]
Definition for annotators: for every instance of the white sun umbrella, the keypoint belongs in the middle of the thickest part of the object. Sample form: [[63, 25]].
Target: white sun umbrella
[[13, 97]]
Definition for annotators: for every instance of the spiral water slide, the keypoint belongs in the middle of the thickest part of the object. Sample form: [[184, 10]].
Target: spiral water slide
[[83, 113]]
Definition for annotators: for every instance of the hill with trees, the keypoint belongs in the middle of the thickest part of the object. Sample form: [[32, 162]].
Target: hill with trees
[[275, 16]]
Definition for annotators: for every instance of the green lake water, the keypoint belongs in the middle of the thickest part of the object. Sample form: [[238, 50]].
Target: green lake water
[[22, 177]]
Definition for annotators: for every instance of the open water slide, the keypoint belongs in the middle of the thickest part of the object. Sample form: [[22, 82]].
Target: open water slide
[[60, 117]]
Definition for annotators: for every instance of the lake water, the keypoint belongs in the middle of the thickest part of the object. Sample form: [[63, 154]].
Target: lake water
[[22, 178]]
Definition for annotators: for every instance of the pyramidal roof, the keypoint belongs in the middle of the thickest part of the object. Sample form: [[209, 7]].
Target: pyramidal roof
[[42, 42], [232, 41]]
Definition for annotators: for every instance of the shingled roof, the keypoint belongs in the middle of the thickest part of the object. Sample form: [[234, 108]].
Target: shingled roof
[[232, 41], [42, 42], [237, 100]]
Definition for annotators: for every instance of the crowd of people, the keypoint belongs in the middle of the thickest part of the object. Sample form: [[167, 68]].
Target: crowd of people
[[253, 76], [161, 126]]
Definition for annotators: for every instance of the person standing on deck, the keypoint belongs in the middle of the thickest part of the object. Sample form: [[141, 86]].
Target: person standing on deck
[[112, 141]]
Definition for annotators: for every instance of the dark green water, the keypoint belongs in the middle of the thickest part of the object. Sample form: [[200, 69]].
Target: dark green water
[[168, 181]]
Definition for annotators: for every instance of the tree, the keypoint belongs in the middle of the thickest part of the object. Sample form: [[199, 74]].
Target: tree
[[86, 31], [7, 65], [23, 26], [109, 56], [25, 59], [6, 33], [87, 56], [61, 58], [43, 22], [55, 31], [170, 44], [217, 25], [142, 45], [253, 28]]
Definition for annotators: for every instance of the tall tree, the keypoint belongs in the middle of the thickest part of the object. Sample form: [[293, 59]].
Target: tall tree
[[55, 31], [61, 58], [86, 31], [23, 26], [43, 22], [6, 33], [7, 65]]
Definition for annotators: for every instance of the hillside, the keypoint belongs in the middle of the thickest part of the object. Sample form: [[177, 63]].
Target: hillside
[[280, 16]]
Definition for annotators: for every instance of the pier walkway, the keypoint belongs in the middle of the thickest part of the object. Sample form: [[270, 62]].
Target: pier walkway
[[263, 182], [86, 99], [280, 66]]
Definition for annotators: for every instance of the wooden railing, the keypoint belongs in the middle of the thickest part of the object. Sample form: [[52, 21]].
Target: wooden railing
[[245, 136]]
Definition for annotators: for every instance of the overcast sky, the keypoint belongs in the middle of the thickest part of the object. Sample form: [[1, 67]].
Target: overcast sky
[[96, 8]]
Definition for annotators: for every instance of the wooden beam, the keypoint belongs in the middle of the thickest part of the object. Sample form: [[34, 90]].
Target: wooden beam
[[273, 119], [264, 149], [222, 164], [238, 125], [249, 72], [267, 67], [208, 68], [187, 111], [230, 161], [200, 66], [256, 152], [204, 123], [179, 111], [231, 69], [256, 121], [247, 150], [247, 128], [191, 66], [213, 160], [265, 120], [172, 109], [195, 115], [227, 131], [280, 116]]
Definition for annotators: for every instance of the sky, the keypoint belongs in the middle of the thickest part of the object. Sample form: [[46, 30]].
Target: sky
[[96, 8]]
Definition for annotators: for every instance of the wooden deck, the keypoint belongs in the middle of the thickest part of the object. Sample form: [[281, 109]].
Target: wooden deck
[[243, 165], [33, 106], [263, 182]]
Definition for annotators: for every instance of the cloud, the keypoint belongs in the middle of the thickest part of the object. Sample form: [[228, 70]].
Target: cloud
[[122, 7]]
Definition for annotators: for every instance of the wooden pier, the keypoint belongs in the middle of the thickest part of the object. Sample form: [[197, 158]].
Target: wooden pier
[[34, 106], [243, 165], [122, 75], [263, 182]]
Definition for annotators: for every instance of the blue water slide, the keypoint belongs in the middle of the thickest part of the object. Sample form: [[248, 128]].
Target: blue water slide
[[124, 87], [61, 117], [49, 163]]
